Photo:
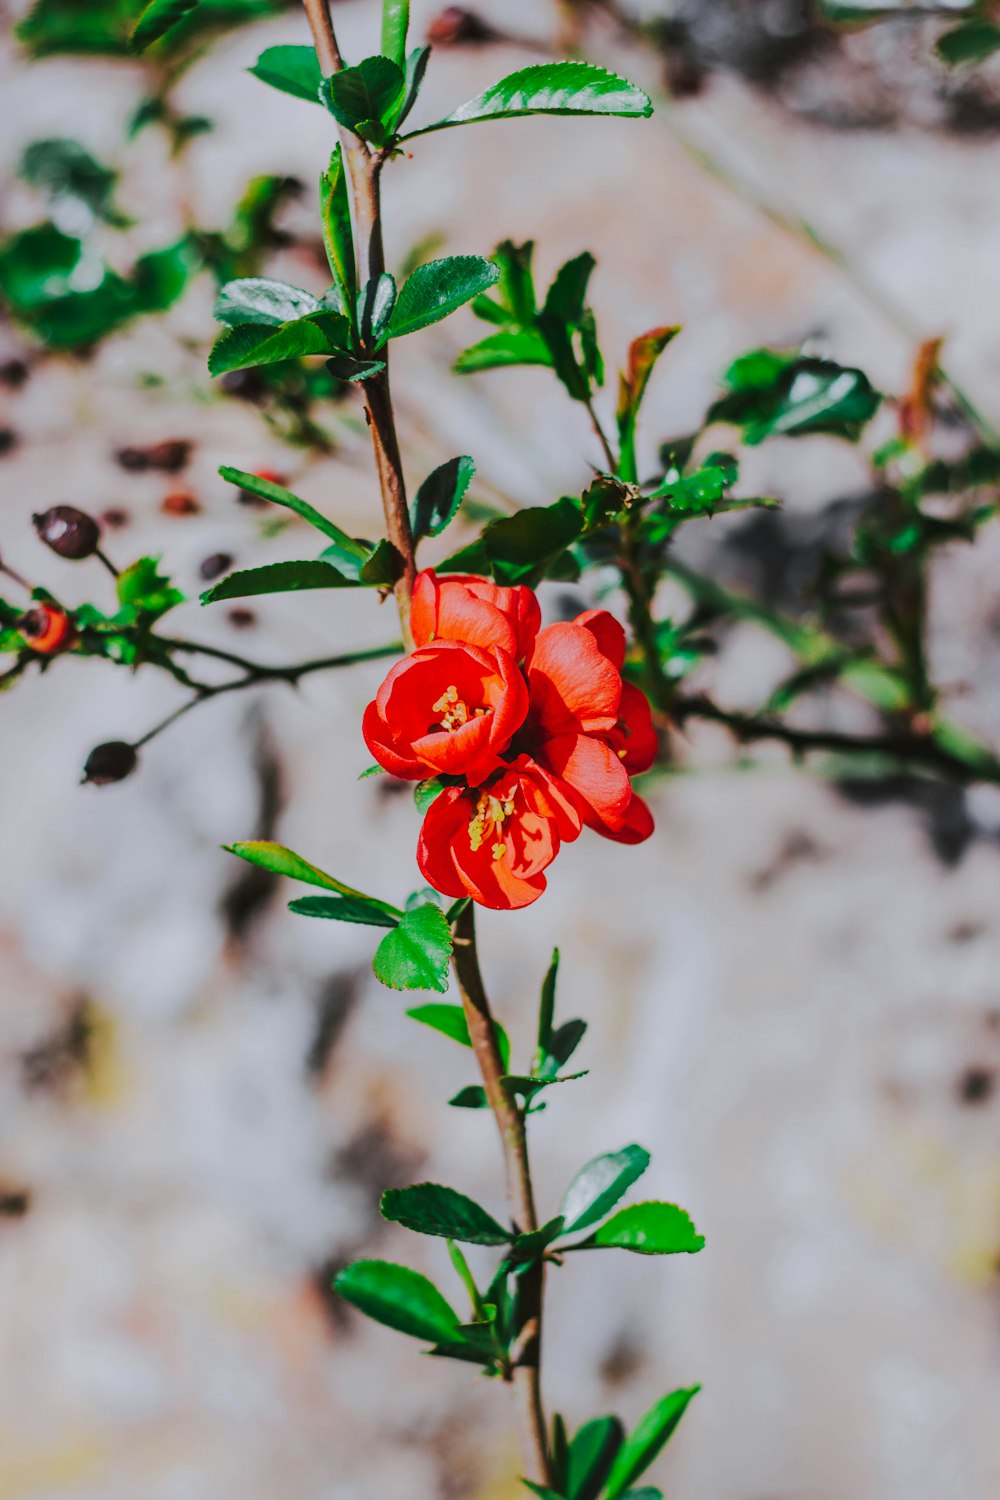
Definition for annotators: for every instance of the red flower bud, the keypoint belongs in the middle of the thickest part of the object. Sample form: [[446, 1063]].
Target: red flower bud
[[47, 630], [69, 532], [455, 27], [474, 610], [110, 762]]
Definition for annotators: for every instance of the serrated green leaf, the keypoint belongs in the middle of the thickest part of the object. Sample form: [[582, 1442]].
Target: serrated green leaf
[[438, 498], [450, 1021], [513, 346], [646, 1440], [519, 548], [335, 210], [255, 299], [773, 394], [368, 93], [557, 88], [399, 1298], [648, 1229], [266, 489], [146, 589], [278, 578], [437, 288], [430, 1208], [415, 955], [364, 910], [282, 861], [590, 1456], [156, 20], [251, 344], [599, 1185], [293, 70]]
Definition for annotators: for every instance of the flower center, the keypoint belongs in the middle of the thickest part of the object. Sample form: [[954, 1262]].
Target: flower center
[[492, 810], [453, 711]]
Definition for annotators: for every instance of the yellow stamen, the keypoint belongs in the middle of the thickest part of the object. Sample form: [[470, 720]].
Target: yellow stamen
[[454, 710], [491, 811]]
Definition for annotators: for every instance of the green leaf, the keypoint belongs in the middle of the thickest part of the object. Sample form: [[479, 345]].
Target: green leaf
[[364, 910], [278, 578], [416, 67], [149, 591], [156, 20], [646, 1440], [557, 88], [383, 565], [426, 792], [335, 208], [346, 367], [516, 288], [63, 169], [562, 1044], [648, 1229], [438, 498], [772, 394], [598, 1186], [450, 1021], [282, 861], [522, 346], [293, 70], [429, 1208], [266, 489], [395, 24], [562, 321], [250, 344], [415, 955], [643, 353], [473, 1096], [437, 288], [969, 43], [399, 1298], [547, 1005], [519, 548], [376, 300], [255, 299], [366, 94], [590, 1456]]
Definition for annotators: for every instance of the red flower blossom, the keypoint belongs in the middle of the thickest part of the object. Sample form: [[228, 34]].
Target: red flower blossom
[[494, 842], [448, 709], [474, 610]]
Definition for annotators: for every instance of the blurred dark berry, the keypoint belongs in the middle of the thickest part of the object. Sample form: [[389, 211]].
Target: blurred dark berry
[[14, 373], [242, 618], [168, 457], [180, 503], [112, 761], [47, 629], [212, 567], [457, 27], [245, 385], [68, 531], [114, 518], [8, 441]]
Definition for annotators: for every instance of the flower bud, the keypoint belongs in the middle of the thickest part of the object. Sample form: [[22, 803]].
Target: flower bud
[[47, 629], [110, 762], [455, 27], [68, 531]]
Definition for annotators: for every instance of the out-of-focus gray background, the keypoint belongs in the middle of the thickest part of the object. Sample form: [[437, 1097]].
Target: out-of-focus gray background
[[793, 998]]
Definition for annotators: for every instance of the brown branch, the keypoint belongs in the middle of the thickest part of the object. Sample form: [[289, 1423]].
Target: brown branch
[[520, 1197]]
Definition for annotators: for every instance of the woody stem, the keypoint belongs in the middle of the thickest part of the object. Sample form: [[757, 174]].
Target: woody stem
[[365, 170], [526, 1377]]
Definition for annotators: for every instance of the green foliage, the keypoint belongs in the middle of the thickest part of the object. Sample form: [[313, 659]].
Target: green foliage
[[648, 1229], [361, 909], [774, 394], [255, 299], [278, 578], [450, 1021], [159, 17], [117, 28], [293, 70], [144, 592], [559, 88], [599, 1185], [590, 1456], [524, 547], [366, 98], [64, 169], [647, 1440], [250, 344], [438, 498], [429, 1208], [436, 289], [415, 955], [350, 553], [395, 24], [282, 861], [399, 1298], [969, 43]]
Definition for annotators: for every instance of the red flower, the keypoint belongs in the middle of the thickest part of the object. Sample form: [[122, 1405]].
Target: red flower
[[448, 709], [474, 610], [493, 842]]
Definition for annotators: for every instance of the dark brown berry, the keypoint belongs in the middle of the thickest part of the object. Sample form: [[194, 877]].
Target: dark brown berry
[[112, 761], [68, 531], [457, 27], [13, 373], [180, 503], [8, 441], [168, 457], [245, 385], [115, 517], [212, 567], [242, 618]]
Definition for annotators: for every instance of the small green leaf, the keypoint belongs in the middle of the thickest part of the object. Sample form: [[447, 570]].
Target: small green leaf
[[648, 1229], [473, 1096], [557, 88], [773, 394], [364, 910], [250, 344], [395, 24], [450, 1021], [399, 1298], [969, 43], [520, 548], [547, 1005], [278, 578], [646, 1440], [156, 20], [255, 299], [293, 70], [266, 489], [562, 1044], [282, 861], [598, 1186], [426, 792], [590, 1456], [335, 209], [514, 346], [383, 565], [438, 498], [365, 94], [376, 300], [149, 591], [429, 1208], [346, 367], [415, 955], [437, 288]]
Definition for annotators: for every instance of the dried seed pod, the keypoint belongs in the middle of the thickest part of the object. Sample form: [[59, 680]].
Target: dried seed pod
[[218, 563], [47, 629], [69, 532], [180, 503], [112, 761]]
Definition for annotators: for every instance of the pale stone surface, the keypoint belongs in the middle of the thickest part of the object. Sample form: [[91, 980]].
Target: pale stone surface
[[787, 993]]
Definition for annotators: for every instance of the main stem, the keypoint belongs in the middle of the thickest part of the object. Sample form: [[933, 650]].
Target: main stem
[[365, 169], [526, 1375]]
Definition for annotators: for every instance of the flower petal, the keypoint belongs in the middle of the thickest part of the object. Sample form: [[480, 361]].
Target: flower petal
[[593, 771], [573, 685], [607, 632]]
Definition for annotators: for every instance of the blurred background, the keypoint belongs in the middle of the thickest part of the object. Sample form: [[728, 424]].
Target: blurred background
[[792, 989]]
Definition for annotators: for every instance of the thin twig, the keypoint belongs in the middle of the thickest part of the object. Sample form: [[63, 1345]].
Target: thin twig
[[602, 437]]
